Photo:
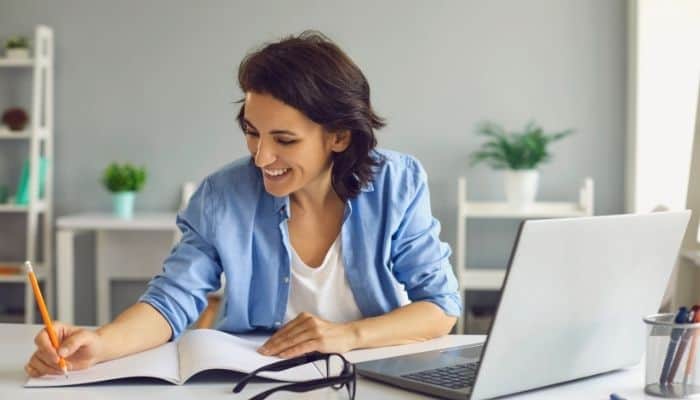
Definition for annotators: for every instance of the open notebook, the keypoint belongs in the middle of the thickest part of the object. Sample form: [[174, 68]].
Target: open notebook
[[196, 351]]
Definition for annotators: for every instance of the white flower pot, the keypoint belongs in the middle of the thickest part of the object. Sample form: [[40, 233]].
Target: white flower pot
[[17, 54], [521, 187]]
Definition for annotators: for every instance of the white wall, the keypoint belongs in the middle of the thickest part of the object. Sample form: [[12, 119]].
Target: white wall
[[664, 73], [663, 82]]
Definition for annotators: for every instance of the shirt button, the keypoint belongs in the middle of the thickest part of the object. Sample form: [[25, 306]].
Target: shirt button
[[286, 279], [278, 323]]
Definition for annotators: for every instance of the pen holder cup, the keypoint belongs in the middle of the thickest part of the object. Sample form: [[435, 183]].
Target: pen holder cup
[[672, 358]]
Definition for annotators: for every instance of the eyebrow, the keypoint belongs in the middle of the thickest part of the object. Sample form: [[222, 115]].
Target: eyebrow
[[272, 132]]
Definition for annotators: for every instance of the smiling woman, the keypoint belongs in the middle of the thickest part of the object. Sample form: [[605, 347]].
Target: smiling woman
[[324, 240]]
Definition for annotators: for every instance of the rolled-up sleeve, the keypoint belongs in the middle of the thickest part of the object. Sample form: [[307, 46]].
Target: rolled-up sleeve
[[420, 260], [193, 267]]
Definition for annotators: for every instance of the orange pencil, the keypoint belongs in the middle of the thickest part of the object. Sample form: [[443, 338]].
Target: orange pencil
[[45, 314]]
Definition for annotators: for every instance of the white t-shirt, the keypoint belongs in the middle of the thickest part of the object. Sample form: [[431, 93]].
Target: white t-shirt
[[323, 291]]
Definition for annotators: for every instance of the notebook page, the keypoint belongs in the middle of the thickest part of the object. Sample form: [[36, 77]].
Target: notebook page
[[160, 362], [204, 349]]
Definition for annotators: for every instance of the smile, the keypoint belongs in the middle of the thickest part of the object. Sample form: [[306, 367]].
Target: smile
[[275, 172]]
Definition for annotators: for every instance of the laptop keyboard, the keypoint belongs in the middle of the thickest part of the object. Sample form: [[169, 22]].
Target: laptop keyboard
[[452, 377]]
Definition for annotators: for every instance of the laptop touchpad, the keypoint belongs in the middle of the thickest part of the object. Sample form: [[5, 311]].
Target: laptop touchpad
[[469, 354]]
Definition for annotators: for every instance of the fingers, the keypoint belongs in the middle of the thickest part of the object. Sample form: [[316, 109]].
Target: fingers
[[43, 342], [71, 344], [302, 348], [293, 327], [300, 320], [63, 331], [47, 358], [37, 367], [31, 371], [44, 352], [306, 331]]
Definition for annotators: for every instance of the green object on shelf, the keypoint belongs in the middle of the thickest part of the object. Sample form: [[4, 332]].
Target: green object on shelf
[[22, 193], [4, 194], [123, 204], [22, 197]]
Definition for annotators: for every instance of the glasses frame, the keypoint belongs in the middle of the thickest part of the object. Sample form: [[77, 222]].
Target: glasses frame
[[347, 377]]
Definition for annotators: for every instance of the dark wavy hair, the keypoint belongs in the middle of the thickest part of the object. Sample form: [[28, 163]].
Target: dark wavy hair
[[312, 74]]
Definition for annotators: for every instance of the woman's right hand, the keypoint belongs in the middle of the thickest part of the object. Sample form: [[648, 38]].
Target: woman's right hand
[[81, 348]]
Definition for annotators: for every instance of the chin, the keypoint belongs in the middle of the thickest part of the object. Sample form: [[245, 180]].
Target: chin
[[277, 191]]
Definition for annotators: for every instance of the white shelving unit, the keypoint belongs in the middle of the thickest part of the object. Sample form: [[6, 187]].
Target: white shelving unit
[[40, 140], [472, 278]]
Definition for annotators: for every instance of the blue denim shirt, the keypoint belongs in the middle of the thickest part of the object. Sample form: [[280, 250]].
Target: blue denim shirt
[[232, 225]]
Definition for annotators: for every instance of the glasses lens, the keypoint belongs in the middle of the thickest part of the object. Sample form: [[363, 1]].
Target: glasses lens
[[334, 366]]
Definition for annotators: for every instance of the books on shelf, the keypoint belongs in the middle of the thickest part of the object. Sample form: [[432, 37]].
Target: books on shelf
[[22, 197], [8, 269]]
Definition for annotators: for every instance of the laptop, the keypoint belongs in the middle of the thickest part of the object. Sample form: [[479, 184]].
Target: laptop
[[572, 304]]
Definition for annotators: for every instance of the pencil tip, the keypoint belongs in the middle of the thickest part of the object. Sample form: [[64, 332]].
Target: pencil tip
[[28, 266]]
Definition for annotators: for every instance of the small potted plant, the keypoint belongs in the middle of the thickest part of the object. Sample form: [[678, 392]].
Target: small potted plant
[[15, 119], [123, 181], [519, 153], [17, 47]]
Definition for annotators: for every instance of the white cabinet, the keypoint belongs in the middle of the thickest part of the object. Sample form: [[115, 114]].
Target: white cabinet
[[481, 278]]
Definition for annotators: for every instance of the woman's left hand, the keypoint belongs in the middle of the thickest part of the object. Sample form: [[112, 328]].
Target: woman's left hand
[[307, 333]]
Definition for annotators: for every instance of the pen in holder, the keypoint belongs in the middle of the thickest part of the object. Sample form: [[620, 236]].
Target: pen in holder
[[672, 354]]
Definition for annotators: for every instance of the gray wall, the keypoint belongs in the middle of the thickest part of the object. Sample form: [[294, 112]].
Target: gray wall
[[153, 83]]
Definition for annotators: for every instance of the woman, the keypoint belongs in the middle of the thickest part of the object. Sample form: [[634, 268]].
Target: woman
[[322, 238]]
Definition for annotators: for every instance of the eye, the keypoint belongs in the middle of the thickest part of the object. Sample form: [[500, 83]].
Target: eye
[[251, 133], [285, 142]]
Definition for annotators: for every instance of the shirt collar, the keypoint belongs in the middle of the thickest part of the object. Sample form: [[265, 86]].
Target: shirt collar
[[281, 204]]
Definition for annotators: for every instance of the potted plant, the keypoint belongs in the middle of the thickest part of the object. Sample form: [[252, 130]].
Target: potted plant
[[15, 119], [519, 153], [17, 47], [123, 181]]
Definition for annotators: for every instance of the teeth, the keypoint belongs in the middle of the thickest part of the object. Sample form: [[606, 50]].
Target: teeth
[[275, 172]]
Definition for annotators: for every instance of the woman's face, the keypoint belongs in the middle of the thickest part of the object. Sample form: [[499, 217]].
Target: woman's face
[[292, 151]]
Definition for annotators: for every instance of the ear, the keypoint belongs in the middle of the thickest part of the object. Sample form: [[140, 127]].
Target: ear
[[340, 141]]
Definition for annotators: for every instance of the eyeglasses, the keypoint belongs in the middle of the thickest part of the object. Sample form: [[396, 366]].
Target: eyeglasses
[[339, 372]]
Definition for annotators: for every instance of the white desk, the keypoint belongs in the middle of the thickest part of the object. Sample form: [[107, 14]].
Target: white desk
[[131, 249], [16, 345]]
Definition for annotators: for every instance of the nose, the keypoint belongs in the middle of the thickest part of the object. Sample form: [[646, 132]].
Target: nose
[[264, 154]]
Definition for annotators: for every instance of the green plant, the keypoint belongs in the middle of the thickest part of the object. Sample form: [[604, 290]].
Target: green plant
[[17, 42], [515, 150], [123, 178]]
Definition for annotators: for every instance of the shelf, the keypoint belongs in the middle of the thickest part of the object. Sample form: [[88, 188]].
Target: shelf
[[19, 208], [6, 318], [536, 210], [20, 276], [39, 137], [7, 62], [13, 135], [482, 278]]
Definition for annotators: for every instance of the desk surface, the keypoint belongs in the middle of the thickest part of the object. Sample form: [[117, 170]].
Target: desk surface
[[107, 221], [16, 345]]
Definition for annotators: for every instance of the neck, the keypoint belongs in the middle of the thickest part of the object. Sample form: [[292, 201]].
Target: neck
[[318, 195]]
